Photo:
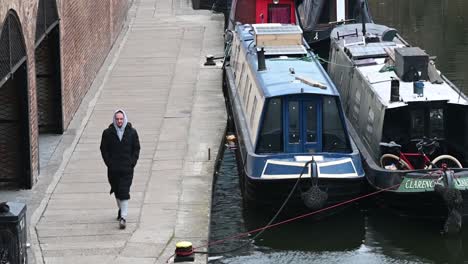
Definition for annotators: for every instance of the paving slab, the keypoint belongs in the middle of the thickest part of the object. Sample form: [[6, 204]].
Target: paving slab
[[155, 72]]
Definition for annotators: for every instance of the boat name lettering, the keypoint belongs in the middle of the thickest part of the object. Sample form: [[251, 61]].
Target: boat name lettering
[[463, 182], [419, 184]]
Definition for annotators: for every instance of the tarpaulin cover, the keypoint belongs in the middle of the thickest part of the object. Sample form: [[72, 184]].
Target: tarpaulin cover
[[309, 12]]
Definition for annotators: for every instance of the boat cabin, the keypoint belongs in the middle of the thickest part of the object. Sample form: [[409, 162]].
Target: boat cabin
[[291, 105], [284, 104], [262, 11], [316, 17], [286, 112], [393, 92]]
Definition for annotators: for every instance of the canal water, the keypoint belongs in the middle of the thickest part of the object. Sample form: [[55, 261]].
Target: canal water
[[363, 233], [360, 234], [438, 26]]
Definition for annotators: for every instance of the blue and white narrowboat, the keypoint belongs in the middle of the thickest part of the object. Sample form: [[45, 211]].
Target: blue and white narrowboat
[[286, 111]]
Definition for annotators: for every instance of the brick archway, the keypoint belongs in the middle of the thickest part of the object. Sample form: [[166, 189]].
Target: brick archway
[[48, 70], [15, 155]]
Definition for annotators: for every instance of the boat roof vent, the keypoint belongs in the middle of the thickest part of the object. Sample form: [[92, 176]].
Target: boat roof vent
[[272, 34]]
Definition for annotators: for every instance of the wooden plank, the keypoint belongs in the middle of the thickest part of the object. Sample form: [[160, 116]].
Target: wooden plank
[[312, 83], [278, 40]]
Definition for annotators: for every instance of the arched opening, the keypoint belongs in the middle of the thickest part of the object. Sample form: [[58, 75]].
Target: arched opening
[[48, 79], [15, 157]]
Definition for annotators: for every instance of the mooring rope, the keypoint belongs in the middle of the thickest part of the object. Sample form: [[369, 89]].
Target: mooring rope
[[270, 223]]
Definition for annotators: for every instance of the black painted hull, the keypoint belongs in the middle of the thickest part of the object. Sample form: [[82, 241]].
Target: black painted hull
[[385, 185], [320, 46], [276, 191]]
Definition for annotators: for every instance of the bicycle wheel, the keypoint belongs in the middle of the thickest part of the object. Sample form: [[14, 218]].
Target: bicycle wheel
[[390, 161], [451, 161]]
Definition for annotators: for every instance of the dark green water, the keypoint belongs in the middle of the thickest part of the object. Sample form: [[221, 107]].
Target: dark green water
[[360, 234], [438, 26], [363, 233]]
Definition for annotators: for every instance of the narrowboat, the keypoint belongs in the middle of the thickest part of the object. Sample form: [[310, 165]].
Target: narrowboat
[[408, 120], [286, 112], [316, 17]]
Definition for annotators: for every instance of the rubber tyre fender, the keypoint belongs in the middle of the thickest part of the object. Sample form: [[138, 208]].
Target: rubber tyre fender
[[397, 160], [450, 157]]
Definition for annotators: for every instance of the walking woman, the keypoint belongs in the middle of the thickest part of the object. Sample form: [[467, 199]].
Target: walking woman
[[120, 149]]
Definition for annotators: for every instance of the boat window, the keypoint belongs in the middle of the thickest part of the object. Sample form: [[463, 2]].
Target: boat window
[[245, 94], [333, 137], [248, 99], [436, 117], [241, 76], [233, 54], [311, 121], [293, 118], [252, 114], [417, 123], [244, 90], [236, 61], [271, 134], [279, 13]]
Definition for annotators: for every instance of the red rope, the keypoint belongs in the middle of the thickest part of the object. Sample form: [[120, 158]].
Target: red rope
[[240, 235], [295, 218], [184, 253]]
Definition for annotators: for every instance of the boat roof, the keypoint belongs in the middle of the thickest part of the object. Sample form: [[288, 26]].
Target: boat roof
[[277, 79], [370, 60]]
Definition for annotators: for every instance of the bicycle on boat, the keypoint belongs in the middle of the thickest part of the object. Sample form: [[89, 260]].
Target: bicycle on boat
[[424, 145]]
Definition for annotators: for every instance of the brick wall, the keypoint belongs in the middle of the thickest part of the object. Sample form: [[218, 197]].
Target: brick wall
[[88, 30]]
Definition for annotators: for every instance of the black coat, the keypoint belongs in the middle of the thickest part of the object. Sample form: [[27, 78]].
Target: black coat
[[120, 158]]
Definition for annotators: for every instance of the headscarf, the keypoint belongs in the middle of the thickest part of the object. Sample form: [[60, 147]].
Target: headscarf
[[120, 130]]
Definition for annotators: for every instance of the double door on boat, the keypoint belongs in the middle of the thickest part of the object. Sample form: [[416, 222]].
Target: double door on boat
[[303, 125]]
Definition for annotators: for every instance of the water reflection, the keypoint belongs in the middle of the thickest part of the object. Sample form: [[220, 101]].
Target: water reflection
[[408, 239], [358, 234], [310, 234], [438, 26]]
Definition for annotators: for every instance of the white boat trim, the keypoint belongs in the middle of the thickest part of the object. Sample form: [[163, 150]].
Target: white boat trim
[[319, 166]]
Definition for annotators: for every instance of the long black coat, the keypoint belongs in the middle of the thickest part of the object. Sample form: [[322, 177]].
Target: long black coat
[[120, 158]]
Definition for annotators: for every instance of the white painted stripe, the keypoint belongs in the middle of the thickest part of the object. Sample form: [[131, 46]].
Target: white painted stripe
[[319, 165], [284, 176], [295, 176], [308, 158], [342, 175], [334, 162], [285, 163], [340, 10]]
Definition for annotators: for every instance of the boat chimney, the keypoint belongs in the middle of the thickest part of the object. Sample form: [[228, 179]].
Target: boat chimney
[[363, 8], [261, 59], [395, 90]]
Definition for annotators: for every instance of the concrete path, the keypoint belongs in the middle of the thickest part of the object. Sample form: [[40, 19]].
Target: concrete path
[[155, 72]]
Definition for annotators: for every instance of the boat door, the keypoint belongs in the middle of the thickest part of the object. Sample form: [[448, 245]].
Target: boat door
[[302, 125], [268, 11]]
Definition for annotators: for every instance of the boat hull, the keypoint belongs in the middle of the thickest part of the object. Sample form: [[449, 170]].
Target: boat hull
[[274, 192], [408, 201]]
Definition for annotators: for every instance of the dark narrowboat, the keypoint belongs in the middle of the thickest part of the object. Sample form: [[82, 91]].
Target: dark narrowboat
[[408, 120]]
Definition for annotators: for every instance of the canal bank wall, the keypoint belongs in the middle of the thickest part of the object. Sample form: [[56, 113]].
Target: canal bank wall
[[155, 72]]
